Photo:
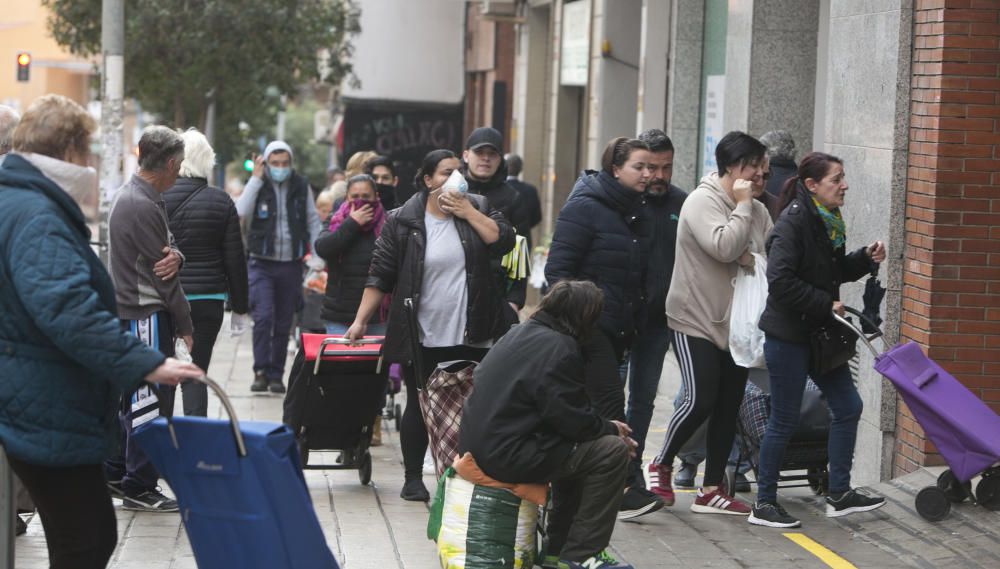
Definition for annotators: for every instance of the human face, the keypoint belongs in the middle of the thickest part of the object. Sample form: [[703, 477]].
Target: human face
[[361, 191], [829, 191], [483, 162], [661, 166], [759, 185], [279, 159], [441, 173], [751, 171], [382, 175], [635, 173]]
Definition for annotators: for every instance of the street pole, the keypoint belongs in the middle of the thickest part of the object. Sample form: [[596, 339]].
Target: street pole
[[112, 110], [280, 131]]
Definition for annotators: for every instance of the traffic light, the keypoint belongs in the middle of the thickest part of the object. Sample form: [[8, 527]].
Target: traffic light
[[248, 165], [23, 66]]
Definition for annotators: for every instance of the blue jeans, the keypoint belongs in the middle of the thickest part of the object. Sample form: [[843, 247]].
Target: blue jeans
[[789, 364], [340, 328], [645, 365]]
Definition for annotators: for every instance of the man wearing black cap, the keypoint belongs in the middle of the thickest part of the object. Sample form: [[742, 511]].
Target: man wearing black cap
[[486, 172]]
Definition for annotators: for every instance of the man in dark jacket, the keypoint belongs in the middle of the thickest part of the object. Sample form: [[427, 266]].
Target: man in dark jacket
[[781, 151], [663, 209], [206, 227], [529, 419], [531, 207], [486, 172], [283, 224]]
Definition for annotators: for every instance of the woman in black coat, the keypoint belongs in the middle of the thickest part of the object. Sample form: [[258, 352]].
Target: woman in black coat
[[807, 262], [436, 249], [347, 245]]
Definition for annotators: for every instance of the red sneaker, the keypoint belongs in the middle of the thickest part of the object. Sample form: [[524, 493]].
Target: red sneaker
[[716, 502], [659, 482]]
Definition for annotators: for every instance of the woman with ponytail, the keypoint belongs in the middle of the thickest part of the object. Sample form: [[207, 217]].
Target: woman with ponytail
[[435, 249], [807, 263]]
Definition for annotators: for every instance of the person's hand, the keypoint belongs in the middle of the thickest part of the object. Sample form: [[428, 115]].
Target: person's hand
[[742, 190], [876, 251], [457, 204], [356, 332], [238, 324], [746, 260], [623, 429], [167, 267], [363, 214], [838, 307], [258, 166], [172, 371], [632, 446]]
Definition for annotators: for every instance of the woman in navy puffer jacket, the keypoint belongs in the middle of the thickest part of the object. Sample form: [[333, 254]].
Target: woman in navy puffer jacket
[[64, 359]]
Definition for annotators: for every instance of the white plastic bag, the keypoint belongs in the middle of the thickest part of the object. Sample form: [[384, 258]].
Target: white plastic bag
[[746, 340]]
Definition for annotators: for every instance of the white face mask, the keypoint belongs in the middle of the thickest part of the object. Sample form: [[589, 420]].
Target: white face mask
[[79, 182]]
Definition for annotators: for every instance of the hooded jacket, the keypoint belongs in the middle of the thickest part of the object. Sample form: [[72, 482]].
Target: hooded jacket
[[712, 234], [64, 360], [601, 237]]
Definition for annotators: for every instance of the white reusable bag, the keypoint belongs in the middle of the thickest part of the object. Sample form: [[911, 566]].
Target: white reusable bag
[[746, 340]]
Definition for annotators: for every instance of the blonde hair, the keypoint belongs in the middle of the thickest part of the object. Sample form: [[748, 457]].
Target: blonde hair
[[325, 198], [338, 190], [199, 158], [54, 125], [356, 165]]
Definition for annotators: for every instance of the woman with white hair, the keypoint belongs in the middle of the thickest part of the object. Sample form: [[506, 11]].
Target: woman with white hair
[[205, 224]]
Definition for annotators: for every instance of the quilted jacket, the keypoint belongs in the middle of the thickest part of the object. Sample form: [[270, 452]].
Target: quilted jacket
[[64, 361]]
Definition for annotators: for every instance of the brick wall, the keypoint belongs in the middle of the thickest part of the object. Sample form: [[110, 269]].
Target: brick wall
[[951, 292]]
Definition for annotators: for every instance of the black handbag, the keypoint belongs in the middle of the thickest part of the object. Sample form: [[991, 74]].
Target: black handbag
[[830, 347]]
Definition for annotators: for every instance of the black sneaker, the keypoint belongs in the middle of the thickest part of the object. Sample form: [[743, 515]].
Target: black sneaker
[[772, 516], [115, 489], [415, 491], [149, 501], [259, 382], [685, 475], [850, 502], [638, 502], [275, 386]]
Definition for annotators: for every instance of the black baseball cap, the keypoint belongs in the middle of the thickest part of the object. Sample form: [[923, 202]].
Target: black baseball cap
[[485, 136]]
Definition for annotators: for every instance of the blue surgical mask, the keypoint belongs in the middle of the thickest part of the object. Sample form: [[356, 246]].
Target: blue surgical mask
[[279, 175]]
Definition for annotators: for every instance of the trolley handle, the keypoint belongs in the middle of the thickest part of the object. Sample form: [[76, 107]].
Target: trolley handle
[[342, 342], [867, 339], [241, 447]]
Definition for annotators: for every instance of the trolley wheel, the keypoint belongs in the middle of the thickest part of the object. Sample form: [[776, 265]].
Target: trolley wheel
[[932, 504], [819, 481], [365, 469], [956, 491], [988, 492], [398, 414]]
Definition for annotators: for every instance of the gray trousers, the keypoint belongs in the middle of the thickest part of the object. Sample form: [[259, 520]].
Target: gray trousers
[[586, 493]]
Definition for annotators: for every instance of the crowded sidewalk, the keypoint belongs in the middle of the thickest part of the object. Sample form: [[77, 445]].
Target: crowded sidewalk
[[371, 527]]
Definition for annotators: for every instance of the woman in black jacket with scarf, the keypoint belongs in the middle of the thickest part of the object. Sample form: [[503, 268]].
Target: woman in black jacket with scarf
[[807, 262], [436, 249]]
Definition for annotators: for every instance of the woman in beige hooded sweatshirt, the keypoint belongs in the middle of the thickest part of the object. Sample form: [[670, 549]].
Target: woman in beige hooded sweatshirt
[[720, 226]]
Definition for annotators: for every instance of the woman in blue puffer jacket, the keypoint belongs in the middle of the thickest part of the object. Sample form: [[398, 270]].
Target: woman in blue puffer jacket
[[64, 359]]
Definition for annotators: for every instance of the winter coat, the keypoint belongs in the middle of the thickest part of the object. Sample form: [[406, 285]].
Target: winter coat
[[64, 360], [348, 254], [600, 237], [781, 170], [804, 272], [663, 212], [206, 228], [529, 406], [397, 268]]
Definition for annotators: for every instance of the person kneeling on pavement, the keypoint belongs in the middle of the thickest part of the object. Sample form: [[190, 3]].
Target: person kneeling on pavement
[[529, 420]]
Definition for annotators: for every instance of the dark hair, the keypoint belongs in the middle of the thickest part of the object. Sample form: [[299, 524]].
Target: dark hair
[[618, 151], [574, 305], [514, 165], [738, 148], [429, 166], [815, 166], [362, 179], [380, 161], [656, 140]]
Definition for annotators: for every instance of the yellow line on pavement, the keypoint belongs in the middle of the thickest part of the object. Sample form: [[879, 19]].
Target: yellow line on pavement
[[825, 555]]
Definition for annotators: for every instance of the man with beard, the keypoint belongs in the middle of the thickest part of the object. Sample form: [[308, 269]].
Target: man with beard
[[663, 208], [383, 171], [486, 172]]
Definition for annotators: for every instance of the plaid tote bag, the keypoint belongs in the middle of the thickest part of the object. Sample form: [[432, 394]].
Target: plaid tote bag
[[441, 402]]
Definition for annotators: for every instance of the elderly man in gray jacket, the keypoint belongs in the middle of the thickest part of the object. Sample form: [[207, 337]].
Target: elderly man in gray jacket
[[151, 304]]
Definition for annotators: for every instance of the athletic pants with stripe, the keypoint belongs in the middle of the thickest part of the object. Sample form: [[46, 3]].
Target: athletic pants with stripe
[[714, 387]]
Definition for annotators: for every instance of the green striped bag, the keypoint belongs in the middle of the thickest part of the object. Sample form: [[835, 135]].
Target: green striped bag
[[483, 527]]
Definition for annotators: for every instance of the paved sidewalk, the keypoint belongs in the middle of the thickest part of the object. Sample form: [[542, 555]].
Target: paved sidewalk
[[371, 527]]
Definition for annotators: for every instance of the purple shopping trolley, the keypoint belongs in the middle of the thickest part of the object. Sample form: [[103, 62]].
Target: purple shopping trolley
[[964, 429]]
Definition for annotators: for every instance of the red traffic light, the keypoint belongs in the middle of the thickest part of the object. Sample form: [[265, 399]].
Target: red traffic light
[[23, 66]]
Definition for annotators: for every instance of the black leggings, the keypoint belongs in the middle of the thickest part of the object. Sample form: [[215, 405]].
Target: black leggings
[[413, 434], [76, 511], [206, 316], [714, 387]]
